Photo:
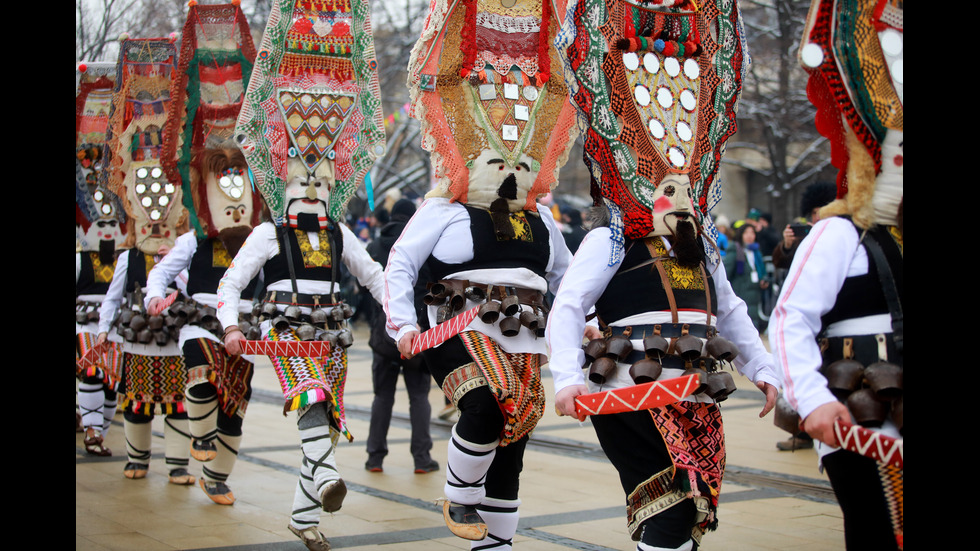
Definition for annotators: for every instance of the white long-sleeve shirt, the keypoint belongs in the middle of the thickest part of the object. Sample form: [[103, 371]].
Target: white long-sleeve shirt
[[262, 244], [587, 279], [442, 229]]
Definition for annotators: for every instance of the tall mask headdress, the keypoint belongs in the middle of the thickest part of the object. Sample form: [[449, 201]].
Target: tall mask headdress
[[853, 51], [206, 96], [487, 84], [135, 143], [98, 213], [657, 83], [313, 101]]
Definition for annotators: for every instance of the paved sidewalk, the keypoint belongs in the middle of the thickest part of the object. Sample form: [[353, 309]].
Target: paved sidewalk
[[571, 496]]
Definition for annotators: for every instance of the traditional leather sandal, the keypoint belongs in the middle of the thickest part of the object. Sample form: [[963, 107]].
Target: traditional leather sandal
[[135, 470], [203, 450], [181, 477], [464, 521], [94, 445], [333, 494], [313, 539], [218, 492]]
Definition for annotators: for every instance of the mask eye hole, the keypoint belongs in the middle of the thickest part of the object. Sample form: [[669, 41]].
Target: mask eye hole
[[669, 191]]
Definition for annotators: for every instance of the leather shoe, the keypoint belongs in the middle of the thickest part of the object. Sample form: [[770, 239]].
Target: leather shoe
[[464, 521]]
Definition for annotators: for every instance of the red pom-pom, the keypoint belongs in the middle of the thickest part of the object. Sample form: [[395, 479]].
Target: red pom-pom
[[670, 48], [236, 2], [82, 67]]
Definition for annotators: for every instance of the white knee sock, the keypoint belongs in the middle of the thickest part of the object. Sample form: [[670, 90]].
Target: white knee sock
[[91, 403], [177, 441], [501, 516], [686, 546], [138, 441], [466, 471], [219, 469]]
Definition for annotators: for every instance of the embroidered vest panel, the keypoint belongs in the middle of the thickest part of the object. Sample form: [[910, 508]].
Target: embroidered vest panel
[[862, 295], [530, 248], [307, 263], [640, 290], [208, 266], [94, 277]]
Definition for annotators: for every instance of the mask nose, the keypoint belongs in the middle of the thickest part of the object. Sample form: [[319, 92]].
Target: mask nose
[[311, 192], [236, 216]]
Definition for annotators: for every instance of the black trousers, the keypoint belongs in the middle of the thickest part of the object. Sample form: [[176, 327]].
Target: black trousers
[[480, 420], [858, 487]]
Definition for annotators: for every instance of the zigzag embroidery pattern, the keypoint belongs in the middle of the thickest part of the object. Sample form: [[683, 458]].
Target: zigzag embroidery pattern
[[440, 333], [287, 349], [637, 397], [881, 448]]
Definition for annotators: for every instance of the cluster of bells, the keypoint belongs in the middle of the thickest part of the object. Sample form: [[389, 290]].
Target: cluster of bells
[[872, 394], [136, 326], [508, 311], [324, 323], [602, 356]]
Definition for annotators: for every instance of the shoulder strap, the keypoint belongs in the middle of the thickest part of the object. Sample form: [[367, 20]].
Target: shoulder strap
[[887, 279]]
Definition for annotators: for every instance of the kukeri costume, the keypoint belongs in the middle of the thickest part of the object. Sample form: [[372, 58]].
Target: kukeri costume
[[488, 90], [200, 156], [837, 329], [646, 77], [98, 219], [310, 128], [153, 368]]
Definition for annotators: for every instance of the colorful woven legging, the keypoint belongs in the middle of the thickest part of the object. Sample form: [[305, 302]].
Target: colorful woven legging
[[306, 381], [515, 379]]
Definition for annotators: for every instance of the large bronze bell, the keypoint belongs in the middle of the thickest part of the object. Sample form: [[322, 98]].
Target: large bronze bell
[[596, 348], [306, 332], [510, 305], [529, 320], [619, 346], [688, 347], [457, 301], [345, 338], [293, 313], [542, 326], [208, 314], [476, 294], [866, 409], [254, 333], [346, 310], [269, 309], [280, 323], [129, 334], [126, 316], [81, 317], [721, 348], [843, 377], [785, 417], [155, 323], [655, 346], [161, 337], [145, 336], [697, 369], [645, 371], [93, 315], [489, 312], [720, 385], [885, 379], [138, 323], [319, 317], [510, 326], [602, 368]]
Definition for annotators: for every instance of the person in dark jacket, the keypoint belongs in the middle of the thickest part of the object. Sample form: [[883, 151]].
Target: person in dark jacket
[[388, 364]]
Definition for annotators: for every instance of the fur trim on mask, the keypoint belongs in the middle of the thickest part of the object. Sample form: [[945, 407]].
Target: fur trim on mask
[[860, 185]]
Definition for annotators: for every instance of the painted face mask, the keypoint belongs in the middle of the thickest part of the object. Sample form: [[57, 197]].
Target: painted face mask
[[98, 215], [312, 112], [854, 53], [199, 153], [489, 90], [135, 137], [657, 84]]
